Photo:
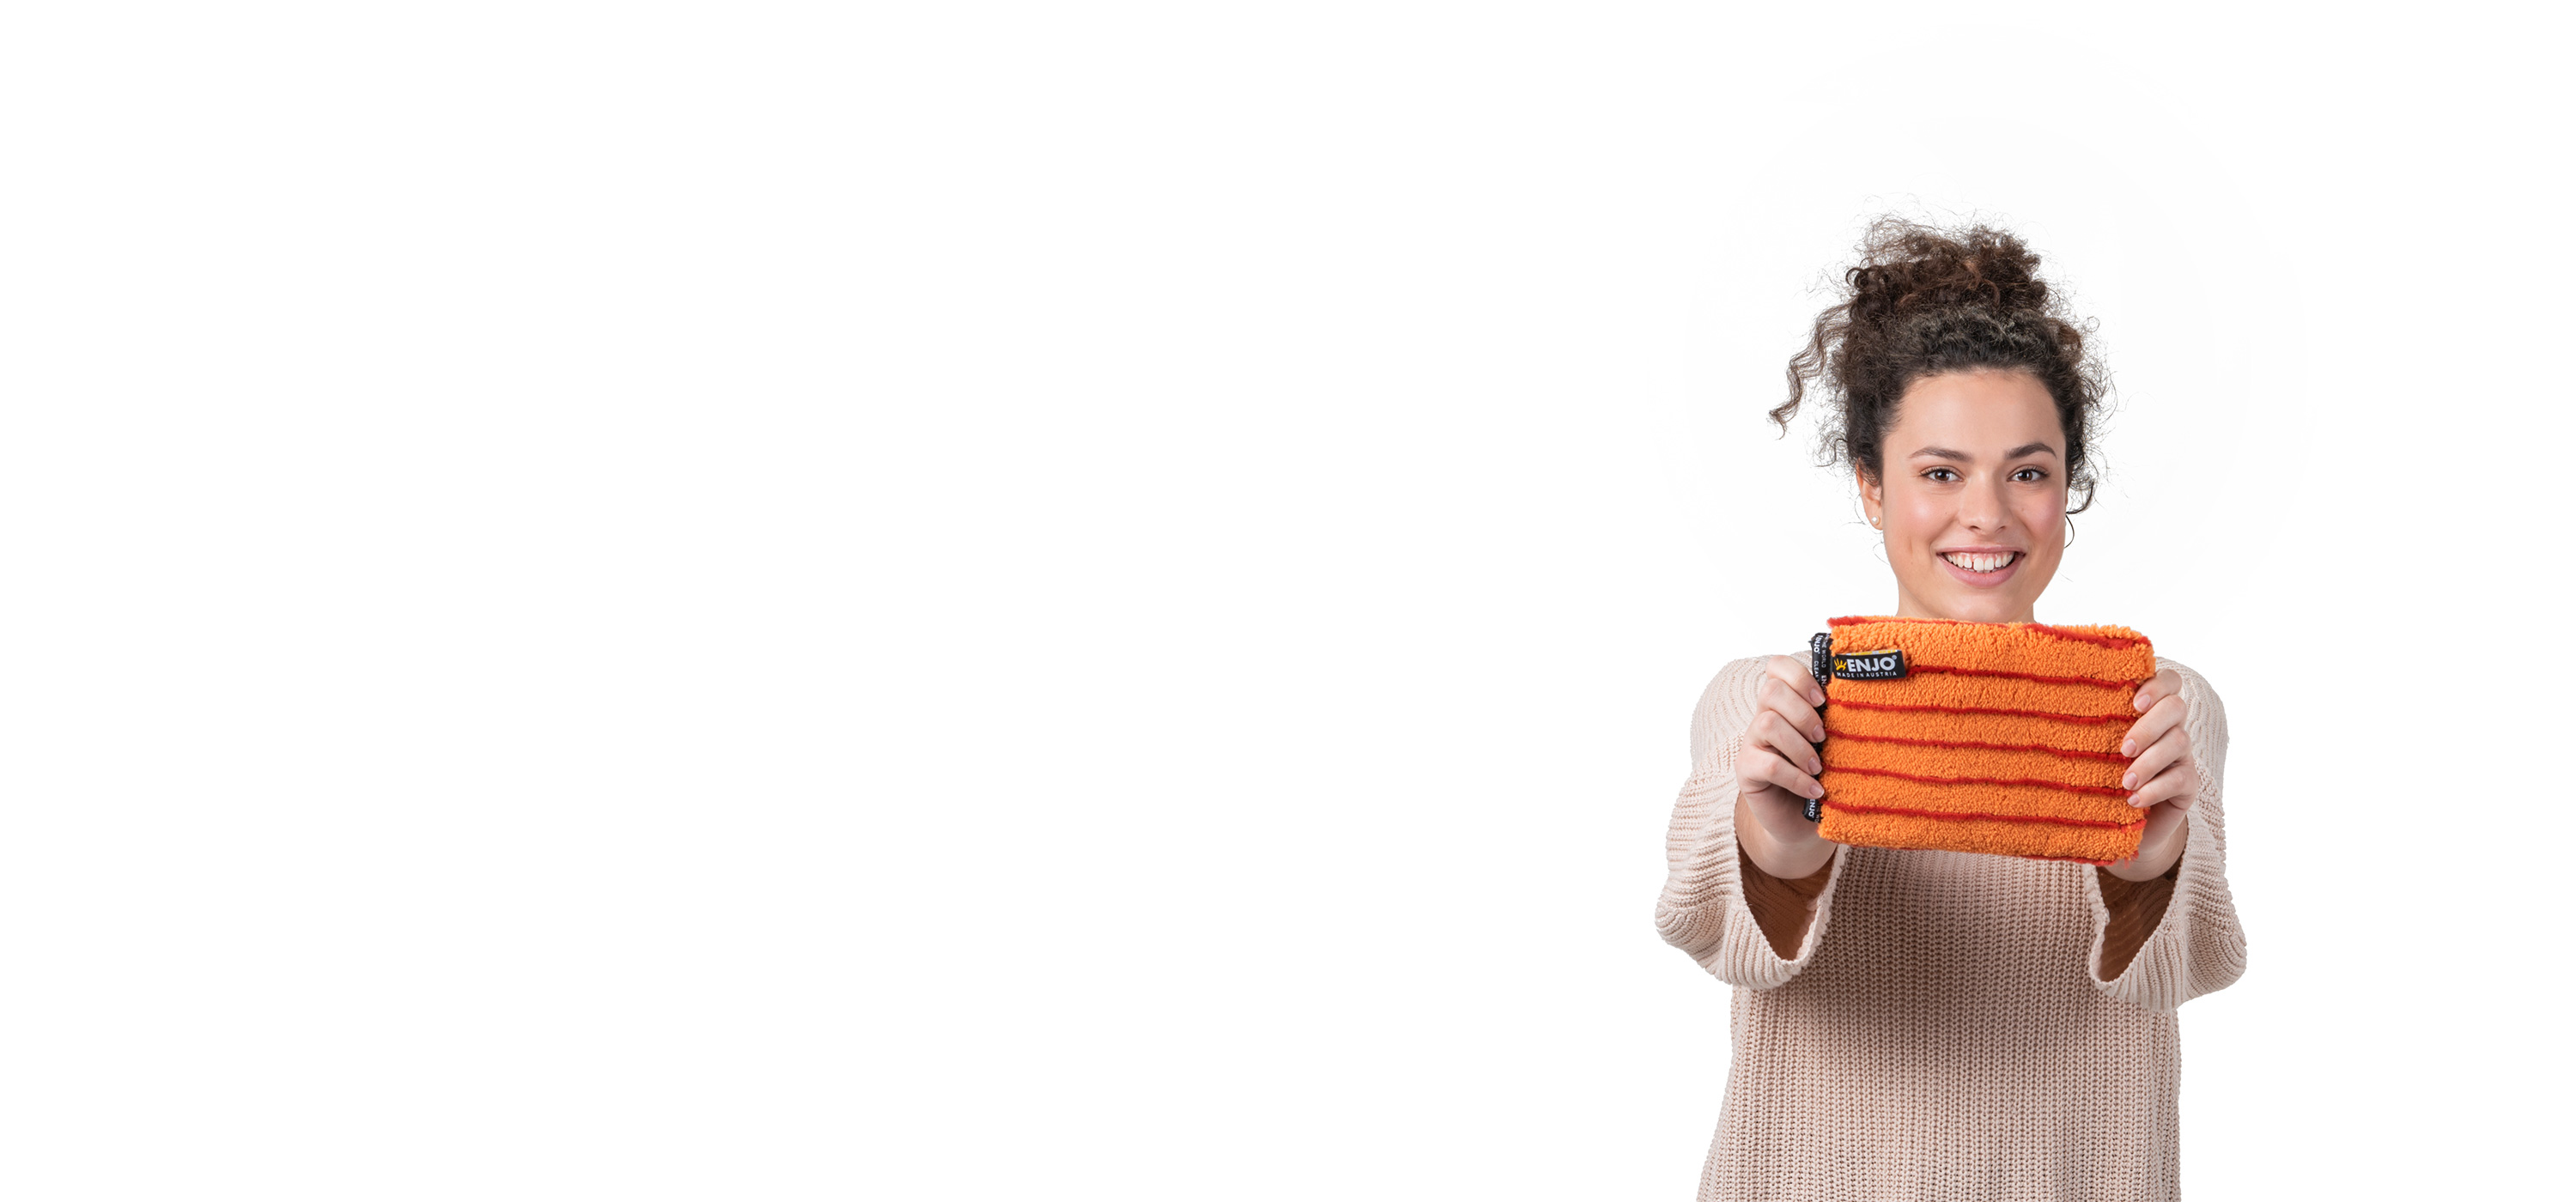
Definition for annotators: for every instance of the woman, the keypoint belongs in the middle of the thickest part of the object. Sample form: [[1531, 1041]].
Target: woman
[[1921, 1024]]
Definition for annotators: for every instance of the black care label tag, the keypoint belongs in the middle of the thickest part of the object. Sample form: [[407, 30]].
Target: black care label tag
[[1819, 649], [1869, 665]]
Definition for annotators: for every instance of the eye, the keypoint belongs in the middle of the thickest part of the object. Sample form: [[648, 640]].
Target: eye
[[2030, 475], [1941, 475]]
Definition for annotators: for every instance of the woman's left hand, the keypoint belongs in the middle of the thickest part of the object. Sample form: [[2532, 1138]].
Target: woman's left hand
[[2161, 773]]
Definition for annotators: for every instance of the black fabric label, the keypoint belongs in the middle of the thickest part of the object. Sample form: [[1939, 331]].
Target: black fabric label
[[1819, 649], [1869, 665]]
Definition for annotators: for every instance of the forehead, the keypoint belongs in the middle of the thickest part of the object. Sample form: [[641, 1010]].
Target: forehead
[[1980, 412]]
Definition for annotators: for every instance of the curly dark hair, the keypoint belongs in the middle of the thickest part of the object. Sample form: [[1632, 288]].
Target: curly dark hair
[[1923, 301]]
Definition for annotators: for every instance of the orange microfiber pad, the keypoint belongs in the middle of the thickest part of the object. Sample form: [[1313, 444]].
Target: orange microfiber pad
[[1997, 738]]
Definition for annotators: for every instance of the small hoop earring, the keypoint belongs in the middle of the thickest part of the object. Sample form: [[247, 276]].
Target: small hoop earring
[[2070, 531]]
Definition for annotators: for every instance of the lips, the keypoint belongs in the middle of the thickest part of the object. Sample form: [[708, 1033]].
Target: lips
[[1980, 562], [1982, 567]]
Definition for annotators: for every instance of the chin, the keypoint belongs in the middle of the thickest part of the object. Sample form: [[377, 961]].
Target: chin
[[1988, 609], [1948, 599]]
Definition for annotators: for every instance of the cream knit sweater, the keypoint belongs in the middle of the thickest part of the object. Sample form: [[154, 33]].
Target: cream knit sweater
[[1941, 1032]]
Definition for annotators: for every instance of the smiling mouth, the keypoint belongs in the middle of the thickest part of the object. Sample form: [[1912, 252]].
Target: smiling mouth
[[1980, 562]]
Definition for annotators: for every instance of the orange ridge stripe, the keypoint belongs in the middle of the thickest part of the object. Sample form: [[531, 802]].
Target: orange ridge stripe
[[2098, 640], [2130, 685], [2083, 719], [2113, 756], [2096, 790], [2115, 826]]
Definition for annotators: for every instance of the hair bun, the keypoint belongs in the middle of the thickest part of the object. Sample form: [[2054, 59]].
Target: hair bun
[[1908, 268]]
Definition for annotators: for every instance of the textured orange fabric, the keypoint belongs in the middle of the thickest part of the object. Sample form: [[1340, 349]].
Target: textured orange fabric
[[2001, 738]]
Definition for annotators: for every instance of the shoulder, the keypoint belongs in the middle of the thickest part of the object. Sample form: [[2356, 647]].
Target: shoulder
[[1725, 708], [2193, 683], [1739, 678], [2199, 698]]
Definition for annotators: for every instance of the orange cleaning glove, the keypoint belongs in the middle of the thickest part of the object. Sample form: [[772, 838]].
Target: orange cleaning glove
[[1985, 737]]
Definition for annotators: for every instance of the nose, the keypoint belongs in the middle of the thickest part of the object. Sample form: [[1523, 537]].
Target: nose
[[1983, 508]]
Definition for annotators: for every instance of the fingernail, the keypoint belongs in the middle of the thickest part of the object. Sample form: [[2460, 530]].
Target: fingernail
[[2129, 747], [1814, 765], [2130, 781]]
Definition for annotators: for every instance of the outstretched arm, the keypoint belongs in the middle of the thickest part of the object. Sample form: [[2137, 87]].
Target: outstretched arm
[[1744, 922], [2164, 922]]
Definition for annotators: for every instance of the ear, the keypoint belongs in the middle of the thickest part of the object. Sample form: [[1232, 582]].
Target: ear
[[1873, 495]]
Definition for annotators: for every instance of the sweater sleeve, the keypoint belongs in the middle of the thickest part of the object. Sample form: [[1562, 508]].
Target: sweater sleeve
[[1703, 909], [2197, 947]]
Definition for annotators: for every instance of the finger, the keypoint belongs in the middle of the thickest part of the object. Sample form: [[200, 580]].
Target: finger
[[1788, 742], [1791, 705], [2162, 754], [2152, 725], [1765, 767], [2167, 683], [1777, 698], [2159, 843], [1799, 678], [2177, 785], [1782, 815], [2165, 826]]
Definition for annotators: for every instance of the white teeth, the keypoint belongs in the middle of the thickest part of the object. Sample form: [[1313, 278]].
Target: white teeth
[[1980, 561]]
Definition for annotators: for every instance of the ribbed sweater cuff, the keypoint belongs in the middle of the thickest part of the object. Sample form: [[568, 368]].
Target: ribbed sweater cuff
[[1704, 912], [2178, 961]]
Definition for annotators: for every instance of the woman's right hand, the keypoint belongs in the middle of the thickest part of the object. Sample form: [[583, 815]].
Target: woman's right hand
[[1775, 773]]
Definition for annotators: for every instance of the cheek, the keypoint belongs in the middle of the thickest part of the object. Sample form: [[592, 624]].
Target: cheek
[[2045, 518], [1917, 515]]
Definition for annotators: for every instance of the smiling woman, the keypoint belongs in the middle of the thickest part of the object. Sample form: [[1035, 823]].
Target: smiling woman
[[1979, 478], [1938, 1024]]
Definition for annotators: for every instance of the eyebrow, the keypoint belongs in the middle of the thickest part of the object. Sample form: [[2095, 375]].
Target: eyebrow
[[2028, 448]]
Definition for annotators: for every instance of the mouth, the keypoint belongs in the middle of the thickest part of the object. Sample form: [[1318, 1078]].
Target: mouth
[[1982, 565]]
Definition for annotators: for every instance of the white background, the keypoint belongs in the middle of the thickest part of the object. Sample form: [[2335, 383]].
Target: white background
[[973, 602]]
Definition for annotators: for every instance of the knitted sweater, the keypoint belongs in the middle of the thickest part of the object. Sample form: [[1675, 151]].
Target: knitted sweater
[[1939, 1029]]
